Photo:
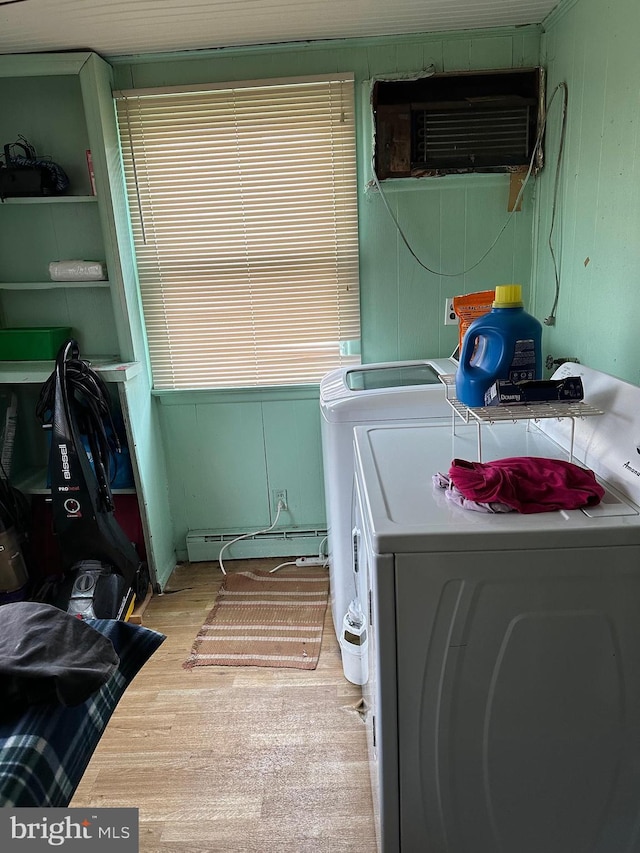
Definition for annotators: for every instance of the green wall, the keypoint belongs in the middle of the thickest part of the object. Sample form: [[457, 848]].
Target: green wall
[[226, 452], [592, 45]]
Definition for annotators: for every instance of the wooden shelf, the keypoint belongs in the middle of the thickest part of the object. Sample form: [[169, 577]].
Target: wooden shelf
[[52, 199], [34, 372], [49, 285]]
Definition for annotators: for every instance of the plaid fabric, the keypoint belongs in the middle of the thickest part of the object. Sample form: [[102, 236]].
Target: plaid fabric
[[44, 753]]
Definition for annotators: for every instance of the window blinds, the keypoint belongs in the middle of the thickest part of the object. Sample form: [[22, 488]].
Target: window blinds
[[244, 216]]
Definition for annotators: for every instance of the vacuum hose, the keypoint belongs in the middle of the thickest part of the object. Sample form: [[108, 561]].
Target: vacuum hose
[[84, 391]]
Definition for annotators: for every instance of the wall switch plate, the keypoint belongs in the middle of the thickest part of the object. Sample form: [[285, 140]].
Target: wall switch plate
[[450, 316]]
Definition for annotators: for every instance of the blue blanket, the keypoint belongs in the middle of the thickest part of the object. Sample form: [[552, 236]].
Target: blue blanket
[[45, 751]]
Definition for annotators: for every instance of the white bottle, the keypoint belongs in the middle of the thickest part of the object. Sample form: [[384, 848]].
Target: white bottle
[[354, 645]]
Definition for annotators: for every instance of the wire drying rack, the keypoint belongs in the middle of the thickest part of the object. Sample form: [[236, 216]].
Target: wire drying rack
[[488, 415]]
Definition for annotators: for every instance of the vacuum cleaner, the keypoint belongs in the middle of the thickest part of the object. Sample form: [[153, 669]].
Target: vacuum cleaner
[[102, 573]]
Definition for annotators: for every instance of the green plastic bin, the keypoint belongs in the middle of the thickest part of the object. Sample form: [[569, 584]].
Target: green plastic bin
[[32, 343]]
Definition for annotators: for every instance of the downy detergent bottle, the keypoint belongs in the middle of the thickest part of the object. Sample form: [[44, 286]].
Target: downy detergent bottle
[[503, 344]]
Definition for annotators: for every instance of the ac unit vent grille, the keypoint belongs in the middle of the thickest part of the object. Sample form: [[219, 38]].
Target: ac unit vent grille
[[473, 136], [458, 122]]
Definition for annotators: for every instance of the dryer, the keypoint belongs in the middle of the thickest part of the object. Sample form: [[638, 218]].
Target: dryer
[[504, 650], [381, 392]]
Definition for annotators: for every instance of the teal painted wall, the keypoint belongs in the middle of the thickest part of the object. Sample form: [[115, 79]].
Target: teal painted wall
[[225, 454], [592, 45]]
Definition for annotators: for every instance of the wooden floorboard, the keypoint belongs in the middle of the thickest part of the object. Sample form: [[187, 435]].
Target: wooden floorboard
[[234, 759]]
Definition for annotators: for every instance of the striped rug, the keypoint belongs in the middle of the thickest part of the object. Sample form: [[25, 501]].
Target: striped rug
[[263, 619]]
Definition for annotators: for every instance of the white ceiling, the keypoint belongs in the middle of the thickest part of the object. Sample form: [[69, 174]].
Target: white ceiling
[[121, 27]]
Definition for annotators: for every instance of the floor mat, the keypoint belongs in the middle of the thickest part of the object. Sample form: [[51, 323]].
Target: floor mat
[[264, 619]]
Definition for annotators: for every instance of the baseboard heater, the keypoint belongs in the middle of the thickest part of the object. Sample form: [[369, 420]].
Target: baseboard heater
[[205, 545]]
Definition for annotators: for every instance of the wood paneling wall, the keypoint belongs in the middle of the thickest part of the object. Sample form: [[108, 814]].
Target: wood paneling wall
[[591, 45]]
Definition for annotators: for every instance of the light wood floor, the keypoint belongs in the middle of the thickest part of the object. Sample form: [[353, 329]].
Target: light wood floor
[[234, 759]]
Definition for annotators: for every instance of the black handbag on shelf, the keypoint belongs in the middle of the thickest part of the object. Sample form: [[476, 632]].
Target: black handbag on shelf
[[26, 174]]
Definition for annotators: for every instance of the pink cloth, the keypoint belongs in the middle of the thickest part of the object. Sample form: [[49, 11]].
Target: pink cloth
[[527, 483]]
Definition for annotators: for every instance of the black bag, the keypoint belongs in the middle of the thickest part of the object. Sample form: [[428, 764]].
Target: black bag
[[27, 175]]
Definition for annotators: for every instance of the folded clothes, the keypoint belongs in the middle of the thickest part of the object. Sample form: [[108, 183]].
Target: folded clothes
[[527, 484]]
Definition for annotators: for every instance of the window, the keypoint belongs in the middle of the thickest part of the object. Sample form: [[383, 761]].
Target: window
[[244, 216], [481, 121]]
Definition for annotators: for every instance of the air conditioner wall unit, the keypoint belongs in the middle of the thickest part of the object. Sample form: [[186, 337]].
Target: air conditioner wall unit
[[484, 121]]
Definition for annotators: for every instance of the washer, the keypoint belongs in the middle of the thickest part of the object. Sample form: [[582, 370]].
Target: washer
[[382, 392], [503, 692]]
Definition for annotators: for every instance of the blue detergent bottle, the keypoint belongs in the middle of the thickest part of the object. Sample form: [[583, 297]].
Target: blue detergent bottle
[[506, 343]]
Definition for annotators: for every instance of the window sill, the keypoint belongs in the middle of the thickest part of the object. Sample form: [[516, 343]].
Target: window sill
[[180, 397], [467, 180]]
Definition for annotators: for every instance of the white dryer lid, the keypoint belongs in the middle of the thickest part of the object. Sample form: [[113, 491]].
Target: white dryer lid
[[405, 512]]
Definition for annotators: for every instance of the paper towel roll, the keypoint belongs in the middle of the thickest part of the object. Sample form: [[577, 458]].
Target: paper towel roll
[[77, 271]]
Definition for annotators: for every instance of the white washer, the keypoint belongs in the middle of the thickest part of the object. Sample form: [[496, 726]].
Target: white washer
[[504, 650], [383, 392]]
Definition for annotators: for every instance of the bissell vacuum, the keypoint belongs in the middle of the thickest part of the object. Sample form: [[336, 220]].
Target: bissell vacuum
[[102, 575]]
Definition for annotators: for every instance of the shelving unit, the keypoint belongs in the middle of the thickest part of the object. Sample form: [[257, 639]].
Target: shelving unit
[[46, 201], [487, 415], [62, 103]]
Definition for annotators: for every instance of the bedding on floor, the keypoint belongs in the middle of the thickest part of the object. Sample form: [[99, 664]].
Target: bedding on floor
[[47, 743]]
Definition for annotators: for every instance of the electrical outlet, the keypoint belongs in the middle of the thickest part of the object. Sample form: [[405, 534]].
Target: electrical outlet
[[280, 497], [450, 316]]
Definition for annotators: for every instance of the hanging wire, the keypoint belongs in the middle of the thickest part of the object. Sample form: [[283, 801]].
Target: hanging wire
[[551, 319], [534, 154]]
